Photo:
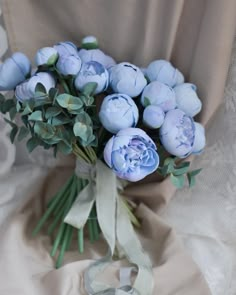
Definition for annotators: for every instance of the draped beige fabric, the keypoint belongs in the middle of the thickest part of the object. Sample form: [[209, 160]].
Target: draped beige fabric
[[196, 35]]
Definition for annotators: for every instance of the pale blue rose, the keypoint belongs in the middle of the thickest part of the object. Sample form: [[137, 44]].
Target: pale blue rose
[[118, 111], [13, 71], [157, 93], [46, 56], [66, 48], [187, 99], [177, 133], [96, 55], [26, 90], [153, 116], [200, 139], [127, 78], [92, 72], [69, 65], [162, 70], [131, 154]]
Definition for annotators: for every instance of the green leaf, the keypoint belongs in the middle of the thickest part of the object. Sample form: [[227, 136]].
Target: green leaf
[[182, 168], [51, 61], [84, 118], [28, 107], [64, 148], [52, 112], [36, 116], [7, 105], [146, 101], [59, 120], [53, 93], [44, 130], [22, 133], [89, 88], [195, 172], [177, 181], [40, 88], [18, 106], [191, 180], [10, 123], [13, 133], [32, 143], [87, 100], [69, 102], [2, 98], [42, 101], [12, 113]]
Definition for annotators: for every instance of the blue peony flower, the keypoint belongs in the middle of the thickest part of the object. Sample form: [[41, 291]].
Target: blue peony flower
[[187, 99], [118, 111], [69, 65], [13, 71], [131, 154], [98, 56], [92, 72], [127, 78], [177, 134], [66, 48], [26, 90], [163, 71], [153, 116], [46, 56], [159, 94], [199, 140]]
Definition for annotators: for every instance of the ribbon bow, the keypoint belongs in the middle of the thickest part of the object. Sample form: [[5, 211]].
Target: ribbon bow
[[115, 226]]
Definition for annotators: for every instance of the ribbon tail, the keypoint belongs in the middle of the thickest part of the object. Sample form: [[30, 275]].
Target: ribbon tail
[[133, 250], [106, 195], [80, 210]]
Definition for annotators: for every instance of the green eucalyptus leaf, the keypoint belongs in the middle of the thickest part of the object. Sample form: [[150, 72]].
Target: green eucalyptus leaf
[[64, 148], [191, 180], [36, 116], [12, 113], [44, 130], [12, 124], [53, 93], [69, 102], [13, 133], [59, 120], [146, 101], [182, 168], [89, 88], [22, 133], [177, 181], [87, 100], [28, 107], [18, 106], [195, 172], [42, 102], [84, 118], [7, 105], [52, 112], [32, 143]]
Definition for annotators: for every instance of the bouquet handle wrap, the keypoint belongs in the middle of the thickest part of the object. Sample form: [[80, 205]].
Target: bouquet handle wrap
[[115, 225]]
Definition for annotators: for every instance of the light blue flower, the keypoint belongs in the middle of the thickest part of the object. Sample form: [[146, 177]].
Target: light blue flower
[[177, 133], [69, 65], [162, 70], [46, 56], [200, 139], [131, 154], [153, 116], [127, 78], [118, 111], [13, 71], [92, 72], [89, 42], [26, 90], [157, 93], [187, 99], [66, 48], [98, 56]]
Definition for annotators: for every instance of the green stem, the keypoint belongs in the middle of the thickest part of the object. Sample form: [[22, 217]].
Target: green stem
[[90, 227], [65, 241], [52, 207], [58, 239], [70, 238], [95, 224], [81, 240]]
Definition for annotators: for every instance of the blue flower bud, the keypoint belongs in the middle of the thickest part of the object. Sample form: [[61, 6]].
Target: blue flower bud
[[46, 56], [200, 139], [131, 154], [163, 71], [118, 111], [127, 78], [96, 55], [26, 90], [13, 71], [159, 94], [90, 42], [92, 72], [153, 116], [177, 133], [66, 48], [69, 65], [187, 99]]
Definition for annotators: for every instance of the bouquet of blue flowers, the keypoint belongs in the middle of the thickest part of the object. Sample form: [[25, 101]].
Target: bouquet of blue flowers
[[120, 121]]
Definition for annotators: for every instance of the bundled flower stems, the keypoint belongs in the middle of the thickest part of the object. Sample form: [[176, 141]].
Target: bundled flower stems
[[120, 121]]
